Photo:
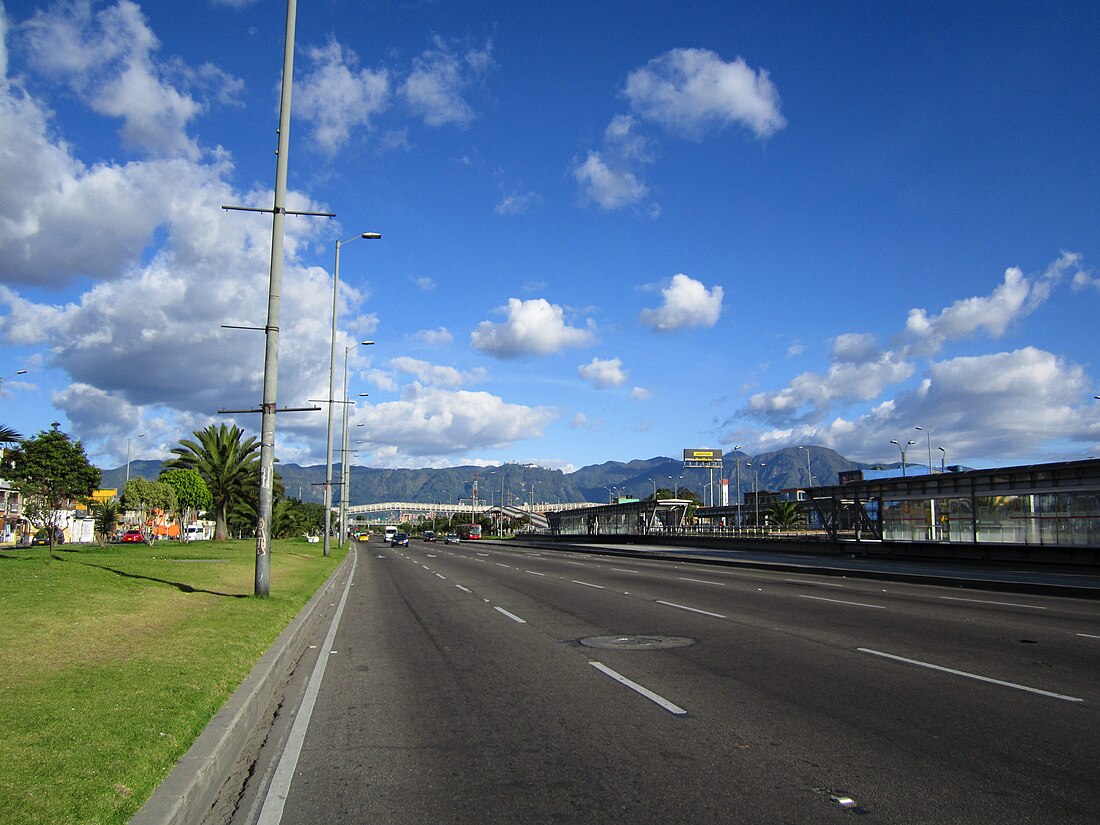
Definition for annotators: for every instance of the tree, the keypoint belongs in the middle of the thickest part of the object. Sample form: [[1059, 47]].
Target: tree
[[192, 494], [227, 463], [51, 473], [9, 436], [143, 494], [106, 515], [785, 514]]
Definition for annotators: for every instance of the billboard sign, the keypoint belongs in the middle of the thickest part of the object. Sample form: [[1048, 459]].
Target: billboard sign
[[705, 459]]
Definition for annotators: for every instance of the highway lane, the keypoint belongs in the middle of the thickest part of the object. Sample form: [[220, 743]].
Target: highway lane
[[460, 691]]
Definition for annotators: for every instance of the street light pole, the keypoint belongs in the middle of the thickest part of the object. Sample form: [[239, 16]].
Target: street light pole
[[3, 379], [943, 460], [332, 383], [809, 476], [909, 444], [928, 437], [737, 464], [345, 475], [128, 455]]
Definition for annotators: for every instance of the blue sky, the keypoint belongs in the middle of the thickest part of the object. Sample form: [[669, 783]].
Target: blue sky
[[610, 230]]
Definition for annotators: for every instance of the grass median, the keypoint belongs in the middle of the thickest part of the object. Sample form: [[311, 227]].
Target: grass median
[[113, 660]]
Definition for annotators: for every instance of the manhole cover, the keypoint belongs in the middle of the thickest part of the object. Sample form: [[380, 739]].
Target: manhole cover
[[637, 642]]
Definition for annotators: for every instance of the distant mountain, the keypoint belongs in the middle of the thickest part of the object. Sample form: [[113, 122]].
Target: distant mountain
[[778, 470]]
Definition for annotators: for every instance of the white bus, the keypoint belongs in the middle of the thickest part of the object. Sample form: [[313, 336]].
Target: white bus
[[390, 530]]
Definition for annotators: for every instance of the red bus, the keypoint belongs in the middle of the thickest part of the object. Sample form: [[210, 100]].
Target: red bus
[[468, 531]]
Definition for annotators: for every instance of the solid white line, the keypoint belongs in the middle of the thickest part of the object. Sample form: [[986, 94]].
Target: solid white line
[[464, 589], [272, 811], [983, 601], [823, 584], [586, 584], [511, 616], [701, 581], [1088, 636], [438, 575], [648, 694], [692, 609], [533, 573], [969, 675], [841, 601], [622, 570]]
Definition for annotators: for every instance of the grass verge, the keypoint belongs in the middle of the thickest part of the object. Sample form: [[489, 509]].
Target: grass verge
[[113, 660]]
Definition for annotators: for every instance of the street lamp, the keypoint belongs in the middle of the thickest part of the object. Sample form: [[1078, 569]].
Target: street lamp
[[3, 379], [943, 459], [654, 483], [928, 437], [756, 488], [908, 444], [344, 464], [809, 477], [332, 384], [737, 464], [128, 440]]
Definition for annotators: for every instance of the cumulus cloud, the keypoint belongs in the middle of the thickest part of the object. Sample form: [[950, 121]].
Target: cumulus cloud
[[689, 91], [1017, 296], [335, 96], [107, 58], [640, 394], [603, 372], [434, 337], [430, 421], [534, 327], [435, 86], [434, 374], [687, 303], [609, 188]]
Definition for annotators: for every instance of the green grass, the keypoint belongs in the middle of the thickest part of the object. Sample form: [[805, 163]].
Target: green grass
[[113, 660]]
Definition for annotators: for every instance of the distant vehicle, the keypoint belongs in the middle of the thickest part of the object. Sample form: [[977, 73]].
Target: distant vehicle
[[429, 535], [468, 531], [399, 540], [390, 530], [451, 538], [196, 532], [132, 536]]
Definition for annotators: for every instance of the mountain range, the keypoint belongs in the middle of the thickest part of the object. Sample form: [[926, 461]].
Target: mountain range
[[778, 470]]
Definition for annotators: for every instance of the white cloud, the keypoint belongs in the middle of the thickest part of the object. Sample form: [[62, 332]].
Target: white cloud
[[434, 374], [516, 203], [336, 96], [107, 59], [434, 88], [610, 188], [429, 421], [534, 327], [426, 284], [687, 303], [640, 394], [603, 372], [1016, 296], [688, 91], [434, 337]]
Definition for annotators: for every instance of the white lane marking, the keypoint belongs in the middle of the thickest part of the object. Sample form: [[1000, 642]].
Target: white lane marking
[[498, 564], [841, 601], [483, 554], [272, 811], [646, 692], [586, 584], [533, 573], [464, 589], [823, 584], [440, 576], [1088, 636], [425, 567], [579, 564], [511, 616], [969, 675], [701, 581], [381, 557], [623, 570], [984, 601], [692, 609]]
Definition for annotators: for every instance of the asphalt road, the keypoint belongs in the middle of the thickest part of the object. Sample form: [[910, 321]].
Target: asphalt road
[[460, 685]]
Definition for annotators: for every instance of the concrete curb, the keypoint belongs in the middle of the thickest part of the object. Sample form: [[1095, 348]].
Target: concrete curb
[[187, 794]]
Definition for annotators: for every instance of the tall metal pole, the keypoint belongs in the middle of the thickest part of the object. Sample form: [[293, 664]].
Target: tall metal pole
[[331, 401], [271, 354], [737, 463], [344, 475]]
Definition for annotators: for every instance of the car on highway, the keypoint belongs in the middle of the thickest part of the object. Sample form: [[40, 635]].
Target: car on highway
[[429, 535], [399, 540], [132, 536], [451, 538]]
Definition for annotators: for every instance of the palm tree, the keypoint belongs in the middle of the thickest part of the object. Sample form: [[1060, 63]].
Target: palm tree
[[785, 514], [9, 436], [227, 463], [106, 515]]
